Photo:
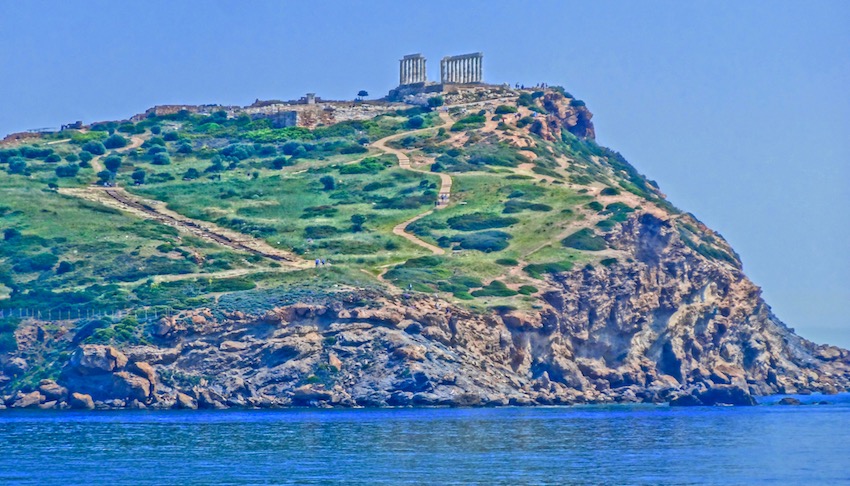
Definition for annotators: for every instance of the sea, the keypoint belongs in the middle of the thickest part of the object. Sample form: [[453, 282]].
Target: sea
[[617, 444]]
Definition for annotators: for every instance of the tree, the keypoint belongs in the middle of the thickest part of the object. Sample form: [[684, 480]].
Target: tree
[[161, 159], [112, 163], [94, 147], [328, 182], [362, 94], [72, 158], [115, 142], [191, 174], [53, 158], [435, 101], [105, 177], [357, 221], [171, 136], [156, 129], [138, 176], [184, 148]]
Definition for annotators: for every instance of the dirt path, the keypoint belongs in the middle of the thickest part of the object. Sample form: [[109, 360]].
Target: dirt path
[[120, 199], [404, 163], [135, 142]]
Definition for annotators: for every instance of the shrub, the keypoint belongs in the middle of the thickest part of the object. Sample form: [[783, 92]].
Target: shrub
[[69, 170], [515, 206], [184, 148], [17, 165], [576, 103], [94, 147], [115, 141], [31, 152], [495, 288], [528, 290], [609, 191], [525, 99], [319, 211], [369, 165], [10, 234], [505, 109], [328, 182], [53, 158], [353, 149], [72, 158], [281, 162], [64, 267], [156, 129], [584, 239], [536, 270], [486, 241], [508, 262], [170, 136], [320, 231], [138, 176], [85, 156], [161, 159], [36, 263], [594, 205], [191, 174], [112, 163], [479, 221], [607, 262], [415, 122], [435, 101]]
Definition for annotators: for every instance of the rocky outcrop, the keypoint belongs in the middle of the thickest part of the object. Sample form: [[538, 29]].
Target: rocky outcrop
[[563, 114], [663, 323]]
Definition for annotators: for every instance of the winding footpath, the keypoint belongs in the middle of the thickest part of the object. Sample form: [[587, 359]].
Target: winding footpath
[[404, 162]]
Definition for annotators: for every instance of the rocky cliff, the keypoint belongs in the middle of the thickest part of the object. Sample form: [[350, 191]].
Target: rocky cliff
[[666, 324]]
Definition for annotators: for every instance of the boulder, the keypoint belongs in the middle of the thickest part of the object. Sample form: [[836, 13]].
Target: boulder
[[185, 402], [81, 401], [334, 362], [727, 395], [48, 405], [144, 370], [52, 390], [130, 386], [92, 359], [27, 400], [686, 400], [16, 367], [789, 401], [309, 393], [232, 346]]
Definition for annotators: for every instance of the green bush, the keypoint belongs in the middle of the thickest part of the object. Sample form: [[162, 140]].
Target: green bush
[[115, 142], [609, 191], [479, 221], [415, 122], [516, 206], [594, 206], [320, 231], [495, 288], [585, 239], [607, 262], [94, 147], [528, 290], [508, 262], [369, 165], [161, 159], [505, 109], [69, 170], [36, 263], [486, 241], [537, 270]]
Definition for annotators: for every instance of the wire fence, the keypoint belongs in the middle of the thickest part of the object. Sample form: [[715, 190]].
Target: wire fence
[[85, 314]]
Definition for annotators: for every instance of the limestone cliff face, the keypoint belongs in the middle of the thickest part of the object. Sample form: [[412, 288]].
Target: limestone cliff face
[[563, 114], [663, 324]]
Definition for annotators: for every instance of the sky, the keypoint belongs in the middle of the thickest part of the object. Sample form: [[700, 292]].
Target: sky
[[739, 110]]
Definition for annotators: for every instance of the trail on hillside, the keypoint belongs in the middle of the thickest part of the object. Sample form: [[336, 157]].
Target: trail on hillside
[[404, 162], [118, 198]]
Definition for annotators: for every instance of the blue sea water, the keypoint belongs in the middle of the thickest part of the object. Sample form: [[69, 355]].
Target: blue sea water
[[623, 444]]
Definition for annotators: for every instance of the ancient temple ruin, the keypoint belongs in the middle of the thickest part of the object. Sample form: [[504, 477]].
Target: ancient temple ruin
[[463, 69], [412, 70]]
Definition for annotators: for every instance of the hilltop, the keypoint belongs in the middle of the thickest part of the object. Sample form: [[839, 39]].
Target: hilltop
[[478, 249]]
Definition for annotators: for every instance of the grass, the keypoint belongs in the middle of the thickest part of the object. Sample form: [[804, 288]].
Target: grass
[[268, 183]]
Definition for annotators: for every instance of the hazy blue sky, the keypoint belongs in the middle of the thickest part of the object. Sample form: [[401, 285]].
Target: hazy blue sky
[[740, 110]]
